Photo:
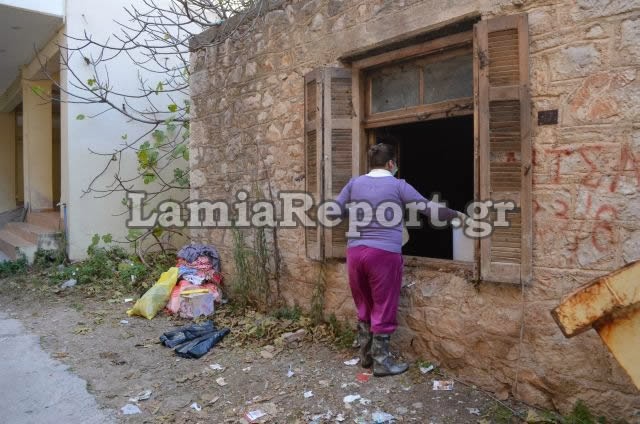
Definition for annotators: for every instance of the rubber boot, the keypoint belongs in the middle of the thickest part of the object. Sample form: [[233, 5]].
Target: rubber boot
[[383, 364], [364, 344]]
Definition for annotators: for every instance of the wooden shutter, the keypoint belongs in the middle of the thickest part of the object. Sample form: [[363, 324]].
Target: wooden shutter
[[338, 111], [501, 48], [313, 101], [328, 152]]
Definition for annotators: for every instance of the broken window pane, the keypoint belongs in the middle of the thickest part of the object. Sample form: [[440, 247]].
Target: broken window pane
[[448, 79], [395, 87]]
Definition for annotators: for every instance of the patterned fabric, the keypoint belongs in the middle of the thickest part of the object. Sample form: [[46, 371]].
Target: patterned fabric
[[201, 267], [192, 252]]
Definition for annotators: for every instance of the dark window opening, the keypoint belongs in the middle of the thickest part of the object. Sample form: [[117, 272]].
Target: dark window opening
[[435, 157]]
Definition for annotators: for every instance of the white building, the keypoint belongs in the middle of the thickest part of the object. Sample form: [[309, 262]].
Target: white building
[[45, 159]]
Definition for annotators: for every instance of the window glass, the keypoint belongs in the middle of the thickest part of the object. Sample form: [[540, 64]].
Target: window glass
[[448, 79], [395, 87]]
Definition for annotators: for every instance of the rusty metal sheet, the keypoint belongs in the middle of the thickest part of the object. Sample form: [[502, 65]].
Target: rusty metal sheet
[[621, 333], [597, 299]]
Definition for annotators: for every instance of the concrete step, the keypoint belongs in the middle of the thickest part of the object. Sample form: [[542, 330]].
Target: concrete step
[[13, 246], [50, 220], [30, 232]]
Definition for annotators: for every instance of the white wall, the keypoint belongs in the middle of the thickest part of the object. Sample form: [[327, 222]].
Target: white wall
[[88, 215], [49, 7]]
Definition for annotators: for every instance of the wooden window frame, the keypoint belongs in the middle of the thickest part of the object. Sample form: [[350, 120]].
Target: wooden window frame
[[363, 123]]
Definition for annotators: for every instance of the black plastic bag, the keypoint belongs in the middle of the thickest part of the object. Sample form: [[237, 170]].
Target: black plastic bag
[[184, 334], [196, 348]]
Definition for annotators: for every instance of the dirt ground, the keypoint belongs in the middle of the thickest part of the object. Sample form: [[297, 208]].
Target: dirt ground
[[120, 359]]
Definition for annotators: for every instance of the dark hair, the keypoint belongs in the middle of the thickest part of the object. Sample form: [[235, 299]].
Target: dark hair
[[380, 154]]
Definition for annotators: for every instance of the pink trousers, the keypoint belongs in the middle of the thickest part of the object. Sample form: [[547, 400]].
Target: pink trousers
[[375, 278]]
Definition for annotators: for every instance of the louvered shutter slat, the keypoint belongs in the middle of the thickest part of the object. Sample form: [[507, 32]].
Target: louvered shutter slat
[[501, 46], [338, 149], [313, 160]]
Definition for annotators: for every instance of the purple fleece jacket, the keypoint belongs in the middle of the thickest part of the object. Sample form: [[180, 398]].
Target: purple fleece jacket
[[379, 189]]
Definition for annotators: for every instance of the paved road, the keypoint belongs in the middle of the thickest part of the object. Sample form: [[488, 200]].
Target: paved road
[[36, 389]]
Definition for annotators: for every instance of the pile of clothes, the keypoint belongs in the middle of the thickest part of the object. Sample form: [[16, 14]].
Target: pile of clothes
[[193, 341], [198, 272]]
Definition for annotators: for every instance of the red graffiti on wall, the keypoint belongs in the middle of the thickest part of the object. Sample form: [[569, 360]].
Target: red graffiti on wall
[[600, 170], [628, 162], [591, 161], [603, 236]]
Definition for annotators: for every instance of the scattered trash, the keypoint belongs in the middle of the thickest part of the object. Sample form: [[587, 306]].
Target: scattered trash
[[247, 369], [141, 396], [214, 400], [221, 381], [380, 417], [350, 398], [308, 394], [253, 416], [364, 401], [216, 367], [69, 283], [196, 407], [443, 385], [340, 418], [321, 418], [345, 385], [290, 373], [363, 377], [352, 362], [128, 300], [124, 322], [427, 369], [474, 411], [130, 409]]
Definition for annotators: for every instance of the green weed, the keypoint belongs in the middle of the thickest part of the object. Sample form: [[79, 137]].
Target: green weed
[[582, 415], [343, 334], [501, 415], [45, 259], [293, 314], [317, 298], [13, 268]]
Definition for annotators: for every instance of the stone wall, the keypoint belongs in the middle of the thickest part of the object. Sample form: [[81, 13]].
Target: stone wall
[[248, 127]]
